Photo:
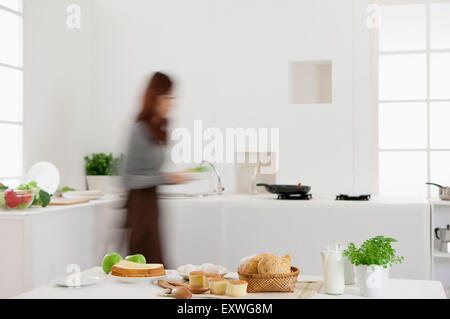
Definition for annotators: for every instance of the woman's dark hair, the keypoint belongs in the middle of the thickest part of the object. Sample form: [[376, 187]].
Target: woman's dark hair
[[159, 84]]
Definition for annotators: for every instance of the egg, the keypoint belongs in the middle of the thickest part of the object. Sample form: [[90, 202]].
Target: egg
[[190, 268], [210, 268]]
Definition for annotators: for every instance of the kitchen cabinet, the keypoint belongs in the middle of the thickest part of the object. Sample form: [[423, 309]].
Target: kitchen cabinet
[[440, 218], [224, 229], [38, 244]]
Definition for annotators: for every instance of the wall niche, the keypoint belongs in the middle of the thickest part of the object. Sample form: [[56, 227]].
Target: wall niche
[[310, 82]]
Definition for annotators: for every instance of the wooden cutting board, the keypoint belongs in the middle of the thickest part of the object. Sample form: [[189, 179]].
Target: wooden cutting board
[[308, 289], [303, 290], [66, 202]]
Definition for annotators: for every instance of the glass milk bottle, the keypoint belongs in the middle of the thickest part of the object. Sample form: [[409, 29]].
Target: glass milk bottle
[[349, 269], [333, 271]]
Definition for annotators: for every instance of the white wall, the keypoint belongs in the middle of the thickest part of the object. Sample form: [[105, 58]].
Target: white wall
[[56, 88], [230, 59]]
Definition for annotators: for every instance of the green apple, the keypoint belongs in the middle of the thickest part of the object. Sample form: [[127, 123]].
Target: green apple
[[110, 260], [136, 258]]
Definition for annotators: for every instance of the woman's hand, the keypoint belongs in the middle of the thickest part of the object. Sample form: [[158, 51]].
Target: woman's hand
[[176, 178]]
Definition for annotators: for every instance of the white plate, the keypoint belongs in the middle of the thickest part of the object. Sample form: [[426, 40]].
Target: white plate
[[84, 281], [140, 280], [45, 174], [91, 195]]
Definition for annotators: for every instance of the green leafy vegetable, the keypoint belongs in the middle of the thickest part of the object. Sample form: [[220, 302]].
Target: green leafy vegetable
[[3, 188], [375, 251], [44, 198], [41, 198], [103, 164], [65, 189]]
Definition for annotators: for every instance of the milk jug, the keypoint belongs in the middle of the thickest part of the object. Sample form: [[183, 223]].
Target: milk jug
[[333, 271]]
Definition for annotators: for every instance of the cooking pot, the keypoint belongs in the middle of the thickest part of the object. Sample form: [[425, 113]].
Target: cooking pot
[[287, 189], [444, 192]]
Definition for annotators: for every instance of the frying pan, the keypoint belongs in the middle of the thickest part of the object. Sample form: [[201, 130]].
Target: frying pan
[[444, 192], [286, 189]]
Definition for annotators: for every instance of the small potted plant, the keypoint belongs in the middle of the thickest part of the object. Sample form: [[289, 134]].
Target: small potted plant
[[102, 172], [373, 260]]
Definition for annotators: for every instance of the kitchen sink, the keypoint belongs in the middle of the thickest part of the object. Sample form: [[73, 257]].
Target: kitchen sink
[[180, 195]]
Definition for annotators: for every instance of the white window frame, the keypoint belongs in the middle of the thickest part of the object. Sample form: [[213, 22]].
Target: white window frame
[[428, 100], [18, 123]]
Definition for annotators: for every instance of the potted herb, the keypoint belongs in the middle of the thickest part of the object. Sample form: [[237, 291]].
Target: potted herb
[[373, 260], [102, 172]]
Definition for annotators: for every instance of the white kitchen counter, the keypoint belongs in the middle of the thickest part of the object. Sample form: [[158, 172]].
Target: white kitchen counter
[[224, 229], [33, 211], [271, 198], [111, 288]]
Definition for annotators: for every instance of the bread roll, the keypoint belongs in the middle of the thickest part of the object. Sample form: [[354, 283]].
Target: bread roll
[[272, 265], [249, 265], [265, 264]]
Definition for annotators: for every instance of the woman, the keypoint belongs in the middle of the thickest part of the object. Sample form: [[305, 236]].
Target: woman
[[142, 172]]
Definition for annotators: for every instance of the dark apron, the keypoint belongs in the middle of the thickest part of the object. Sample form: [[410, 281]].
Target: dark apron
[[143, 223]]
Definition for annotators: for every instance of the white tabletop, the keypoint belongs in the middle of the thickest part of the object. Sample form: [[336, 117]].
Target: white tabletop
[[110, 288]]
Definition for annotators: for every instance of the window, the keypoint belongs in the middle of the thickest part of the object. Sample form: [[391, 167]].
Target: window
[[11, 91], [413, 97]]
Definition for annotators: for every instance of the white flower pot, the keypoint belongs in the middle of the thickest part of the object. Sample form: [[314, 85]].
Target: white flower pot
[[372, 280], [106, 184]]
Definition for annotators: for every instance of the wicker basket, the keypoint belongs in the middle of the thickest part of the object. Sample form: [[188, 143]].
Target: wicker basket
[[271, 283]]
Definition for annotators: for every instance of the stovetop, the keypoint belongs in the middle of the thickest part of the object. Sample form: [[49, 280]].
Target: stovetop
[[296, 196], [355, 198], [342, 197]]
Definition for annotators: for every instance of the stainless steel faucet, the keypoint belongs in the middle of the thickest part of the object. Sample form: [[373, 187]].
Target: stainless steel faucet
[[220, 187]]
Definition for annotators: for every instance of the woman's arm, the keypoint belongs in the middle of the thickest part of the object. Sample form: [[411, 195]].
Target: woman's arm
[[144, 181]]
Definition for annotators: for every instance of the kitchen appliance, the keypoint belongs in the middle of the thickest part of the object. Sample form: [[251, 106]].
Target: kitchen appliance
[[355, 198], [443, 235], [444, 192], [296, 196]]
